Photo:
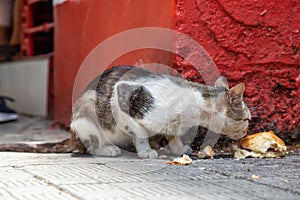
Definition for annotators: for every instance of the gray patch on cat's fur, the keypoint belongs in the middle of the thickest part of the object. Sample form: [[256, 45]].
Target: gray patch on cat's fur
[[92, 144], [211, 92], [134, 100], [140, 102], [104, 92], [208, 92]]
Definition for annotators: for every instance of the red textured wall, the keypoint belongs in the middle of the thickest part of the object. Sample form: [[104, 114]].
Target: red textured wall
[[255, 42]]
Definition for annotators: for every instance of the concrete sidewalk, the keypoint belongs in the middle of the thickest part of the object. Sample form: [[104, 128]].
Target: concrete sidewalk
[[67, 176], [61, 176]]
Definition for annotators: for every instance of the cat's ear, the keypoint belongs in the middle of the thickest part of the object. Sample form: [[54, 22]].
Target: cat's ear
[[237, 91], [222, 82]]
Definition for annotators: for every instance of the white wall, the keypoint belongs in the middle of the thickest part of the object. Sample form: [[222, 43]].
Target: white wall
[[27, 83]]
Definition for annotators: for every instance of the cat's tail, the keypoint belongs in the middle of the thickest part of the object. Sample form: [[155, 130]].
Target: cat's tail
[[69, 145]]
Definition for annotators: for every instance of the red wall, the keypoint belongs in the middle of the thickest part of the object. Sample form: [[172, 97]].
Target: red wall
[[255, 42]]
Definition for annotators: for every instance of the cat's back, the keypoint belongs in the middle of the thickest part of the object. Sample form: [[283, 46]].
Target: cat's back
[[97, 96], [119, 73]]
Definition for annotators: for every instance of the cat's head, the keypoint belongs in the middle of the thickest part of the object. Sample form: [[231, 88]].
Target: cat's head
[[235, 111]]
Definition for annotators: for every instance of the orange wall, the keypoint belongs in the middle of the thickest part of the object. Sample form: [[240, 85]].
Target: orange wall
[[81, 25]]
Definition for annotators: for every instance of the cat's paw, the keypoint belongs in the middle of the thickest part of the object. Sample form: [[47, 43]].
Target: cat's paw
[[110, 151], [150, 153], [185, 149]]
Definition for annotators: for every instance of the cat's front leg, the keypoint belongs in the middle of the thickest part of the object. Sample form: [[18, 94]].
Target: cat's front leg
[[140, 139], [177, 147], [143, 148]]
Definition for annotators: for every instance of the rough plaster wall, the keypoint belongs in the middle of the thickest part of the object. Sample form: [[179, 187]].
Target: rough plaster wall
[[256, 42]]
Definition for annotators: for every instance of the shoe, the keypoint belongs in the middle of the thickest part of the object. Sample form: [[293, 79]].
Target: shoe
[[6, 114]]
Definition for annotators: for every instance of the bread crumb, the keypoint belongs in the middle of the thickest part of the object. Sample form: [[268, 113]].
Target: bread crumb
[[184, 160]]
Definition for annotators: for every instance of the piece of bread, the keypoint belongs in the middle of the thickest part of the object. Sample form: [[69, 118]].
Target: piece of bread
[[260, 145], [263, 142], [184, 160]]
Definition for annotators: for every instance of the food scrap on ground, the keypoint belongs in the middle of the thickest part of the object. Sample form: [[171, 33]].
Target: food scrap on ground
[[260, 145], [184, 160], [255, 176], [207, 152]]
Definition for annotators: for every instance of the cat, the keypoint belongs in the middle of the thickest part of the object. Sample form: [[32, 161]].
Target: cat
[[128, 104]]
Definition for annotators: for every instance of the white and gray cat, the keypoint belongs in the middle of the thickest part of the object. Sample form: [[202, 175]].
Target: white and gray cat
[[129, 104]]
